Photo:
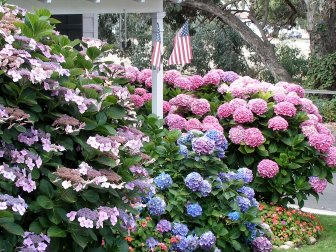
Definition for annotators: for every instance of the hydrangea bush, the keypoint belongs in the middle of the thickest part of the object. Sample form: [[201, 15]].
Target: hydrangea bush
[[199, 205], [71, 165], [273, 128]]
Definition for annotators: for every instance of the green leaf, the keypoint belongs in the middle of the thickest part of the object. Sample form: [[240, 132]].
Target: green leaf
[[68, 195], [6, 216], [12, 228], [93, 53], [44, 202], [116, 112], [81, 240], [106, 161], [56, 231], [248, 160], [101, 118], [91, 196], [35, 227], [46, 188]]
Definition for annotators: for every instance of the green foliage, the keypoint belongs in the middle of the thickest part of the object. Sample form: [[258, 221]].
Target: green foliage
[[321, 73]]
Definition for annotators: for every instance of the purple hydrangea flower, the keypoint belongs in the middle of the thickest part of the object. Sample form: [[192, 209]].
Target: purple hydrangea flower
[[194, 210], [207, 240], [156, 206], [180, 229], [205, 188], [163, 226], [248, 191], [151, 243], [227, 177], [250, 226], [203, 145], [234, 216], [244, 203], [262, 244], [193, 181], [193, 242], [254, 203], [181, 245], [163, 181], [218, 137], [245, 174]]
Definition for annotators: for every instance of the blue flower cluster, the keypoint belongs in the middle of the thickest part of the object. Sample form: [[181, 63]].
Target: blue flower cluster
[[195, 182], [244, 203], [248, 191], [156, 206], [151, 243], [244, 174], [180, 229], [207, 240], [163, 226], [234, 216], [163, 181], [194, 210], [203, 143]]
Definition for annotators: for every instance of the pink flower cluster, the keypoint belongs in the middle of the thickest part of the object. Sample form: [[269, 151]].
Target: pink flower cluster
[[170, 76], [285, 109], [252, 137], [331, 157], [144, 75], [258, 106], [243, 115], [321, 142], [200, 107], [175, 121], [236, 134], [318, 184], [278, 123], [267, 168]]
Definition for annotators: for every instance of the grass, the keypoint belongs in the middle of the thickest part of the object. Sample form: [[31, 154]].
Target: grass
[[327, 241]]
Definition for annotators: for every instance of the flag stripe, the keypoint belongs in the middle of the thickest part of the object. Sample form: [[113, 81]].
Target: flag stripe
[[157, 49], [182, 51]]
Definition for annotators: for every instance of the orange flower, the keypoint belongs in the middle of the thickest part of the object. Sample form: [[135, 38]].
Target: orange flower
[[130, 249], [144, 224], [128, 238], [148, 218], [174, 239], [278, 209], [261, 207]]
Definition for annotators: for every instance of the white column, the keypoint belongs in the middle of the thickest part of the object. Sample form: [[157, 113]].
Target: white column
[[157, 75], [90, 25]]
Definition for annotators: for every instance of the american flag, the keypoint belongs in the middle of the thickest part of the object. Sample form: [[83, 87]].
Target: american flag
[[182, 52], [157, 49]]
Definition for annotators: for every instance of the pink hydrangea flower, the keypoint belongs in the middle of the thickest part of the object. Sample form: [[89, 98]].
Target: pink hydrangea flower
[[193, 124], [243, 115], [148, 82], [147, 97], [277, 123], [236, 134], [308, 130], [237, 103], [182, 100], [210, 126], [210, 119], [323, 129], [258, 106], [331, 157], [285, 109], [196, 81], [307, 106], [166, 107], [183, 83], [137, 100], [200, 107], [296, 88], [176, 122], [238, 91], [212, 77], [224, 110], [321, 142], [170, 76], [253, 137], [267, 168], [223, 88], [279, 97], [140, 91], [293, 98], [318, 184], [144, 75]]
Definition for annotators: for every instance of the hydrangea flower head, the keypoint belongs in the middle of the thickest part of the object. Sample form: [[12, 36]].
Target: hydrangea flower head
[[180, 229], [318, 184], [163, 181], [278, 123], [156, 206], [234, 216], [194, 210], [267, 168], [245, 174], [193, 181], [207, 240], [163, 226], [262, 244]]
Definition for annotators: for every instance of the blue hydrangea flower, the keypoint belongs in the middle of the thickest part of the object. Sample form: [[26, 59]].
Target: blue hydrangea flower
[[181, 245], [184, 139], [234, 216], [254, 203], [248, 191], [220, 153], [193, 242], [218, 137], [203, 145], [227, 177], [163, 181], [245, 174], [194, 210], [250, 226], [193, 181], [180, 229], [205, 188], [244, 203], [163, 226], [151, 243], [183, 150], [207, 240], [156, 206]]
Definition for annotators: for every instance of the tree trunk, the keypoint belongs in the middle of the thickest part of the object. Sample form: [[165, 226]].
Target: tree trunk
[[321, 25], [262, 47]]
